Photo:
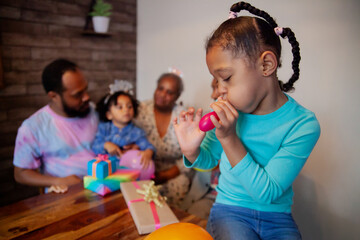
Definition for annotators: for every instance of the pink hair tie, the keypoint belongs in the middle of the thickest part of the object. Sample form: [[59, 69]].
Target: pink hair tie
[[232, 14], [278, 30]]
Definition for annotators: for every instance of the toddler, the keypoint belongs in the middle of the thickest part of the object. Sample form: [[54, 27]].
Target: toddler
[[116, 132]]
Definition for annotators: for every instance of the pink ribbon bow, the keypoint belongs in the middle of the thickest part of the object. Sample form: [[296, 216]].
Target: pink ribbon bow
[[100, 158]]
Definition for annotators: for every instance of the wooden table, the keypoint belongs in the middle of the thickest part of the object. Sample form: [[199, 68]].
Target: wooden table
[[77, 214]]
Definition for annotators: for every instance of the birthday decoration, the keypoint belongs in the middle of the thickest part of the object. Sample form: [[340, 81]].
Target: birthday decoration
[[121, 85], [175, 71], [132, 159]]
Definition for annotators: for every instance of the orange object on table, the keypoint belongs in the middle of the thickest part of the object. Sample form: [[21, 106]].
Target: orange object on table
[[179, 231]]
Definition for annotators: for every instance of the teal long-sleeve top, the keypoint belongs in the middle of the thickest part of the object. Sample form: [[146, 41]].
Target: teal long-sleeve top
[[278, 145]]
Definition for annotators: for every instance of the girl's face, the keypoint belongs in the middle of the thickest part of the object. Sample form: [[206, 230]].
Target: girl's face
[[122, 113], [166, 94], [238, 81]]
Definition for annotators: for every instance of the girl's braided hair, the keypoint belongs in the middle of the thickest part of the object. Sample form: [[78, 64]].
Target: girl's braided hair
[[252, 35]]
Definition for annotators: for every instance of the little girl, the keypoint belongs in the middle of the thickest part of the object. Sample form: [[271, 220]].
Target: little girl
[[263, 137], [116, 130]]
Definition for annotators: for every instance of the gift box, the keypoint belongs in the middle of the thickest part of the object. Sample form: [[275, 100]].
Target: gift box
[[148, 216], [102, 166], [112, 182]]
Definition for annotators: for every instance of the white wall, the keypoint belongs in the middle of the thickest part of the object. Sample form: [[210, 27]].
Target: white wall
[[327, 192]]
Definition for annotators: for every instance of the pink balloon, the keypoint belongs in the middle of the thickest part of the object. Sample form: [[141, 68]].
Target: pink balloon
[[132, 159], [205, 123]]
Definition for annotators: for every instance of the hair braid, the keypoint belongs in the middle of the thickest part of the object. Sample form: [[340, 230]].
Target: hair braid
[[237, 7], [287, 32]]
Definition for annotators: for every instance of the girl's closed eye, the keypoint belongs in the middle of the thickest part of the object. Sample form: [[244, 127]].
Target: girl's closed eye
[[227, 79]]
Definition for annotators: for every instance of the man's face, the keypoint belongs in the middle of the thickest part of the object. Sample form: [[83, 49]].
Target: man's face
[[75, 98]]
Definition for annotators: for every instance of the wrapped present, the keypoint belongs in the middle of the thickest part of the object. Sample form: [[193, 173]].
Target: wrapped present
[[112, 182], [102, 166], [148, 209]]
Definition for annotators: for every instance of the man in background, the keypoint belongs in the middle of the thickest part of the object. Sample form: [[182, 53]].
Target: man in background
[[53, 145]]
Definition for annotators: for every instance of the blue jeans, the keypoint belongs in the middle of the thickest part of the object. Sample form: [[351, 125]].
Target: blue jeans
[[228, 222]]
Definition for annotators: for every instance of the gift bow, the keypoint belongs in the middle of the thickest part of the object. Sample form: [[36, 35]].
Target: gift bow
[[102, 157], [152, 196]]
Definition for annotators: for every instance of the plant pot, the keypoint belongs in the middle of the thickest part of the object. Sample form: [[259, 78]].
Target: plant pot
[[101, 24]]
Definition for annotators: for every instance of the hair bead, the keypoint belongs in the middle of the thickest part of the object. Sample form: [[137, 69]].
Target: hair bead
[[232, 14]]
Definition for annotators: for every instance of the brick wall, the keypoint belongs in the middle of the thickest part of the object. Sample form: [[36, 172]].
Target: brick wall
[[35, 32]]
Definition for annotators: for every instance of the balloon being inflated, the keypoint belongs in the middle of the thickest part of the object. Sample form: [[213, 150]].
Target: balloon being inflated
[[205, 123]]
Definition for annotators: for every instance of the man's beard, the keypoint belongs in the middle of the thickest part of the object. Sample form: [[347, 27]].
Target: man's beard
[[71, 112]]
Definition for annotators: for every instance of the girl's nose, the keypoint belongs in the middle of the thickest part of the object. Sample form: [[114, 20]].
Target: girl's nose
[[222, 90]]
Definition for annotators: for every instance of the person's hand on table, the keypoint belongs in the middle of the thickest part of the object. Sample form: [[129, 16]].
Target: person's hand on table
[[62, 184], [58, 189]]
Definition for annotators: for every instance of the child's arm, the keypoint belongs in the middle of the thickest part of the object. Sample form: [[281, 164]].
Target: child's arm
[[268, 183], [113, 149], [131, 146], [226, 131], [188, 133], [99, 140]]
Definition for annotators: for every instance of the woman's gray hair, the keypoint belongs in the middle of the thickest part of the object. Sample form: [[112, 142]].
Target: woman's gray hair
[[178, 80]]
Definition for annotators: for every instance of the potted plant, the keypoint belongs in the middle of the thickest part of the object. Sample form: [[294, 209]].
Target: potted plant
[[100, 16]]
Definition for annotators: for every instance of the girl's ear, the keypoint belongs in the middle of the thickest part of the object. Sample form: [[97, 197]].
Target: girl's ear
[[109, 115], [269, 63]]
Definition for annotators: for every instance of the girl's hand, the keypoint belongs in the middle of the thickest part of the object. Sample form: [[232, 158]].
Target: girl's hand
[[113, 149], [226, 126], [146, 157], [188, 133]]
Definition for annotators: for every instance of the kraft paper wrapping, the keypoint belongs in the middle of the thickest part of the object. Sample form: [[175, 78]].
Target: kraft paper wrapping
[[141, 211]]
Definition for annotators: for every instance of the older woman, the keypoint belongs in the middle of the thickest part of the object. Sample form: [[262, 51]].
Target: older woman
[[155, 117]]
